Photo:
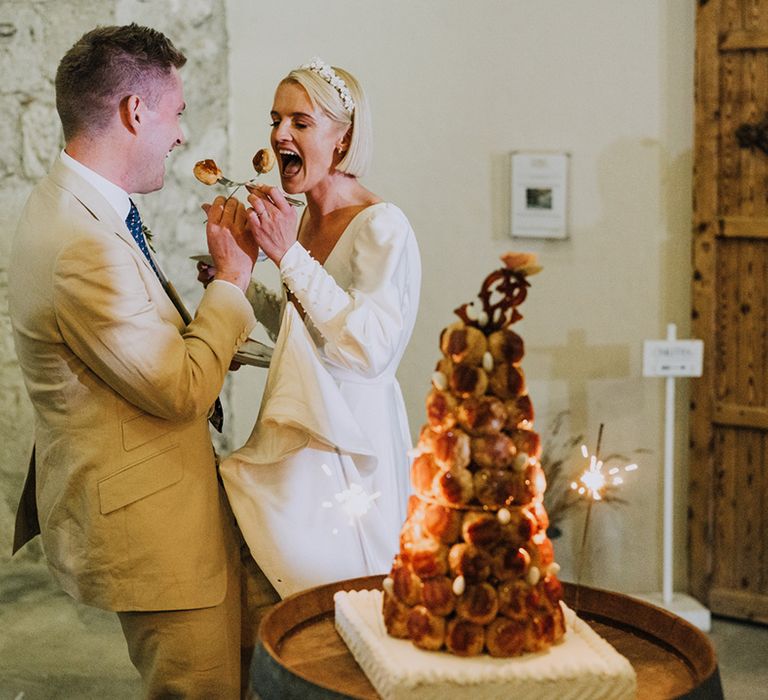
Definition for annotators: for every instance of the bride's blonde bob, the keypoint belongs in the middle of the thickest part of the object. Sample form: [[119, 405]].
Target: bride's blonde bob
[[322, 94]]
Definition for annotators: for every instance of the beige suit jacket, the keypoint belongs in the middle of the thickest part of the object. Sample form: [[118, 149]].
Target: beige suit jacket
[[129, 504]]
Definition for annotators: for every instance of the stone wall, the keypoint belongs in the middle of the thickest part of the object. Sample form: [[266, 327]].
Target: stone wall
[[34, 34]]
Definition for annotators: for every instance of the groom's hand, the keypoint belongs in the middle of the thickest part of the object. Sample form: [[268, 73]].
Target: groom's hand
[[234, 253]]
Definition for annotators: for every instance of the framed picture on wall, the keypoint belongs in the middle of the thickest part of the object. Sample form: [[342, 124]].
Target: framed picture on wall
[[539, 194]]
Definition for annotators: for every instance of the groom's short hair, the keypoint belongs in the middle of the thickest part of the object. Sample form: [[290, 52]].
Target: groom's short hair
[[106, 65]]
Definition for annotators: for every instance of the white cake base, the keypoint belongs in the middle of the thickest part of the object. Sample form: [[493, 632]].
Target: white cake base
[[582, 666]]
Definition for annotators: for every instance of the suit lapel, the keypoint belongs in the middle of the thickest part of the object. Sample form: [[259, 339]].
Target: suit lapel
[[94, 202], [102, 211]]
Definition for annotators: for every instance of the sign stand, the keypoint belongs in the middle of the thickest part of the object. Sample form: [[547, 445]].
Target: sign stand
[[673, 358]]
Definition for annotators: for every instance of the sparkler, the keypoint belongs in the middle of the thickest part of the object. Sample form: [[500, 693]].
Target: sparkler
[[593, 484]]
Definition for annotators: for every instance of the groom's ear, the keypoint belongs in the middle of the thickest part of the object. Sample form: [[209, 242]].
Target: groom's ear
[[131, 112]]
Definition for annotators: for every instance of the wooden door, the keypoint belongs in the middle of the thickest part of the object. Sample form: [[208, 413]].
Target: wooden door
[[728, 501]]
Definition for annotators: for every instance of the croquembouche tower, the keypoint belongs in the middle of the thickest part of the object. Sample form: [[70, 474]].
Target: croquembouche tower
[[475, 571]]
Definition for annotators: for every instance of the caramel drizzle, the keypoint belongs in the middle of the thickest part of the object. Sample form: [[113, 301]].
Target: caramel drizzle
[[512, 288]]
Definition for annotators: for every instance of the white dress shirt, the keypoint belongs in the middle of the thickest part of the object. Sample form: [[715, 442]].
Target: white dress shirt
[[116, 196]]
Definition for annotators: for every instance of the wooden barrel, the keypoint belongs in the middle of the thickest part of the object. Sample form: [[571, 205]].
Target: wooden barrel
[[302, 657]]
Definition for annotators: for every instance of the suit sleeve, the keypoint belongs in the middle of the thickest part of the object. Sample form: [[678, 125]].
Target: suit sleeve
[[361, 325], [106, 315]]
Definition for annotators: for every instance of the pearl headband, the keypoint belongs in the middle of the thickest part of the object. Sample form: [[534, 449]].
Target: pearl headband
[[317, 65]]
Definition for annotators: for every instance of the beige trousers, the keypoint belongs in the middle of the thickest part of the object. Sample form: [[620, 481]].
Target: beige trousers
[[203, 653]]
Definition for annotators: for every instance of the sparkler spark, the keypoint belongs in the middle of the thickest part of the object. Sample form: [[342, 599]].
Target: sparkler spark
[[594, 481], [354, 501]]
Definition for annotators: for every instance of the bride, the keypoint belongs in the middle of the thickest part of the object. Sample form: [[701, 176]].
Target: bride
[[320, 488]]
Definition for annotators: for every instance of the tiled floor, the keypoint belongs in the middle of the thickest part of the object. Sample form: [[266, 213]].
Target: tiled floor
[[52, 648]]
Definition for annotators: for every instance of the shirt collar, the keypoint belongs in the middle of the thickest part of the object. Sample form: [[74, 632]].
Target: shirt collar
[[116, 196]]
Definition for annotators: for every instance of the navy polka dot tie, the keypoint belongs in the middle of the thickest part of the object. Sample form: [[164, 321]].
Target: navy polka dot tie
[[133, 222]]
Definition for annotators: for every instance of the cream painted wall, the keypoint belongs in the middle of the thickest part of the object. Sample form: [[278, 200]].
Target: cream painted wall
[[455, 87]]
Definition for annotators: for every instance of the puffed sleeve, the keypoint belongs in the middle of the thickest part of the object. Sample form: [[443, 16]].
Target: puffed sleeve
[[267, 307], [362, 325]]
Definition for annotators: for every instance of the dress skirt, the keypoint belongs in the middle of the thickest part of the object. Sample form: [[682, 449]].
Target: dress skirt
[[314, 490]]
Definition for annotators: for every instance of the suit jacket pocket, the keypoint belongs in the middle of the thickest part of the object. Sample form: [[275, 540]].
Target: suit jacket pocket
[[140, 480], [141, 429]]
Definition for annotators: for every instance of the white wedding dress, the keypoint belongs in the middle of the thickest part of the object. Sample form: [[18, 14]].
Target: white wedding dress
[[320, 487]]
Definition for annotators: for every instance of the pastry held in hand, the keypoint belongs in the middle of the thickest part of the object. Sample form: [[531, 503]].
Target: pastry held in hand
[[207, 171], [263, 161]]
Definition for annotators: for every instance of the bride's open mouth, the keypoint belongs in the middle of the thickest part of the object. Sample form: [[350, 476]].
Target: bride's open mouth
[[290, 162]]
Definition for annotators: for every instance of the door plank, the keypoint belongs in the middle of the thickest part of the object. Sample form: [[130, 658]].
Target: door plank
[[743, 39], [705, 216], [740, 415], [724, 508], [745, 513], [762, 534], [744, 605], [743, 227]]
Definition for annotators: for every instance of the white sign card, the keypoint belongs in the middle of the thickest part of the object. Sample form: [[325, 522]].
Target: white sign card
[[539, 184], [673, 358]]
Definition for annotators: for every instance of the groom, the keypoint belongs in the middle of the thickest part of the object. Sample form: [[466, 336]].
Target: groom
[[132, 516]]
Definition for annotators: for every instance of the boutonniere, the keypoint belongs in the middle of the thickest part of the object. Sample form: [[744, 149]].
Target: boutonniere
[[148, 236]]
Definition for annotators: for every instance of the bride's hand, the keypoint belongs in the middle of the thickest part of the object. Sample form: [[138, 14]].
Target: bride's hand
[[271, 221]]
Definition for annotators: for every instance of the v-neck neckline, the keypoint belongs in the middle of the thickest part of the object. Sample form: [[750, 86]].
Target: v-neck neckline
[[347, 228]]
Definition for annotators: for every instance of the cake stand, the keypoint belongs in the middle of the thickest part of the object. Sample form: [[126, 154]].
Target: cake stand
[[301, 656]]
